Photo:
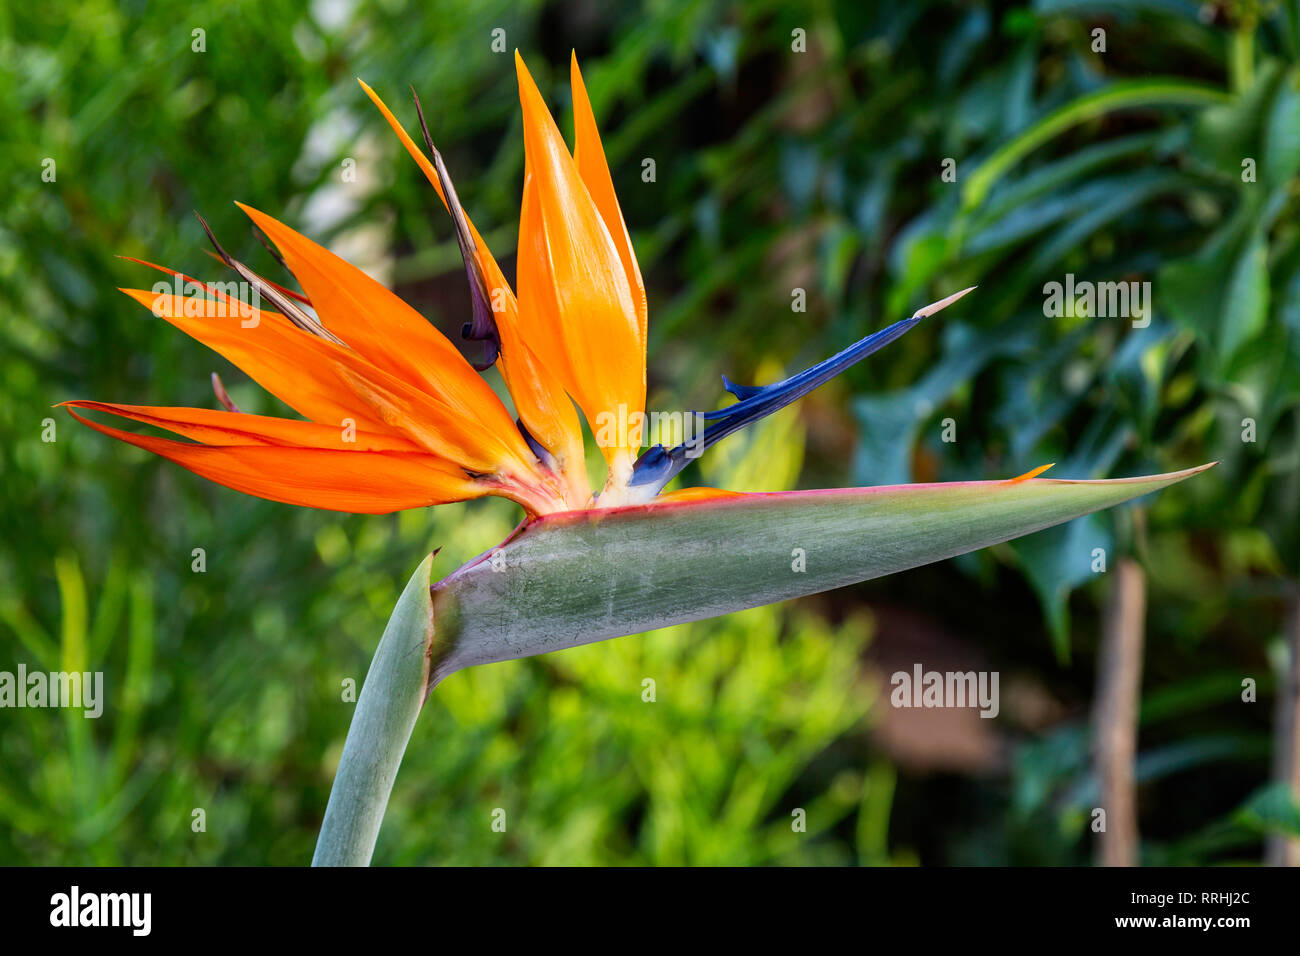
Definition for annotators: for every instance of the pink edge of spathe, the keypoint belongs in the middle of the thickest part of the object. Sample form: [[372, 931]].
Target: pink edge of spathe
[[738, 497]]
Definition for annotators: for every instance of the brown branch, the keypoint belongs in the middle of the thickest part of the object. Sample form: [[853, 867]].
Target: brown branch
[[1119, 688], [1280, 849]]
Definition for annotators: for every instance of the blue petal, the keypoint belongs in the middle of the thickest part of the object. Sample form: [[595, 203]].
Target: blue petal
[[657, 465], [756, 402], [741, 392]]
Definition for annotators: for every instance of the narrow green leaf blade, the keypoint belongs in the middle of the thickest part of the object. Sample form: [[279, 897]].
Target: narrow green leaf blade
[[390, 700], [582, 577], [1123, 94]]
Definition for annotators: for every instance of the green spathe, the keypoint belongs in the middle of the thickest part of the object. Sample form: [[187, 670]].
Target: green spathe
[[581, 577], [575, 578]]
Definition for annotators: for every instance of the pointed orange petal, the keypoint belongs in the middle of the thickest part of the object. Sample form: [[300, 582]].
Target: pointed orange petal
[[361, 482], [573, 291], [538, 305], [538, 393], [330, 384], [417, 154], [485, 258], [545, 410], [290, 367], [589, 155], [383, 328], [214, 427], [212, 290], [694, 494], [492, 271], [1030, 474]]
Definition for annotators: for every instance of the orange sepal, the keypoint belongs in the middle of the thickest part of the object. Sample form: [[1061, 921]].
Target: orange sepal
[[213, 427], [694, 494], [330, 384], [538, 393], [589, 156], [360, 482], [389, 333], [575, 306], [1034, 473]]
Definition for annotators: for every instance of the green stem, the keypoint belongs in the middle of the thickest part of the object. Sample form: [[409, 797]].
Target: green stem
[[1241, 57], [394, 691]]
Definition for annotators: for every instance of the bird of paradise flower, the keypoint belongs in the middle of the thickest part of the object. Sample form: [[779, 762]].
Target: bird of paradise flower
[[394, 417]]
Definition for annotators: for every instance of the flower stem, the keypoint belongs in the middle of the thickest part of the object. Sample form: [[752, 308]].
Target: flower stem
[[395, 689], [1241, 57]]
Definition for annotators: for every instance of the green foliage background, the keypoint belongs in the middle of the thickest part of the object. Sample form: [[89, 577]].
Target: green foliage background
[[775, 170]]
